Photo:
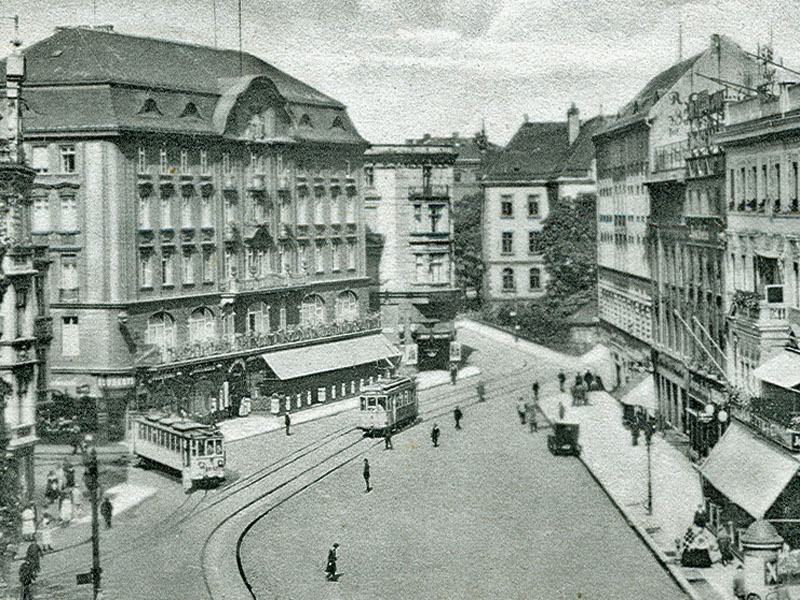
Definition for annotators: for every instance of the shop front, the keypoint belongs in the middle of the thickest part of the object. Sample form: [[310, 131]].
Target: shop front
[[433, 344]]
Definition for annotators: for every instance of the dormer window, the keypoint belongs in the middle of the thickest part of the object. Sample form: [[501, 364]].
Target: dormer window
[[149, 107], [305, 121], [337, 123], [190, 111]]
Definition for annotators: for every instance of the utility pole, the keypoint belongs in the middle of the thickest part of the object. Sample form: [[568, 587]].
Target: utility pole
[[648, 438], [91, 477]]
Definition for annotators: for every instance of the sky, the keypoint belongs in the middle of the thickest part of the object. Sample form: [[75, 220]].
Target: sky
[[409, 67]]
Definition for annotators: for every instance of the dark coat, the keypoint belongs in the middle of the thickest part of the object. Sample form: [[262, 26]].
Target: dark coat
[[458, 414], [26, 573], [435, 433], [331, 565], [32, 556], [106, 509], [366, 470], [286, 419]]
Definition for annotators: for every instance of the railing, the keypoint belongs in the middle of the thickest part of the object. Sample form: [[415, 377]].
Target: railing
[[781, 426], [670, 156], [264, 283], [243, 342], [429, 191]]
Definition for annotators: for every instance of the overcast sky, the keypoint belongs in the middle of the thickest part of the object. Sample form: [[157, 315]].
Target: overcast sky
[[406, 67]]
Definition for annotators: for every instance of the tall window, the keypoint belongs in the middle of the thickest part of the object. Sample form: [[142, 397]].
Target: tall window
[[508, 279], [231, 264], [161, 331], [351, 255], [41, 214], [186, 212], [146, 269], [335, 255], [68, 159], [167, 268], [437, 268], [350, 209], [319, 211], [302, 210], [40, 159], [188, 266], [533, 206], [226, 164], [418, 217], [144, 212], [206, 209], [346, 306], [421, 268], [184, 162], [535, 278], [202, 326], [319, 257], [141, 165], [312, 310], [69, 273], [369, 176], [258, 318], [535, 242], [506, 206], [163, 161], [507, 242], [69, 213], [251, 267], [208, 266], [230, 210], [204, 170], [427, 175], [70, 339], [435, 215]]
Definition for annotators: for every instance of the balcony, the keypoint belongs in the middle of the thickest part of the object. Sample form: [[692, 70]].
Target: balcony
[[267, 282], [258, 343], [760, 310], [428, 192]]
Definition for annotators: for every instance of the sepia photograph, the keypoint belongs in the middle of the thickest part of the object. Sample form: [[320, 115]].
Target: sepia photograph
[[400, 299]]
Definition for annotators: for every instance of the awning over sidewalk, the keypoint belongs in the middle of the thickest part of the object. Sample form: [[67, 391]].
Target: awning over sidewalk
[[319, 358], [782, 370], [643, 394], [748, 470]]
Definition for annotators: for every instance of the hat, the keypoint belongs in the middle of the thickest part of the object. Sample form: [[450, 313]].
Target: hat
[[336, 545]]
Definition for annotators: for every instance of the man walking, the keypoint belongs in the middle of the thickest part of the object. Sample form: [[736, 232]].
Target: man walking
[[435, 435], [521, 411], [387, 439], [561, 379], [26, 577], [458, 415], [366, 475], [330, 567], [287, 421], [106, 510], [535, 387], [453, 374]]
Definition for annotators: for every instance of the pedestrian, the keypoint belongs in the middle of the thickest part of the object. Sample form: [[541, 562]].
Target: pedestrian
[[77, 438], [521, 411], [561, 411], [51, 493], [77, 500], [32, 557], [481, 389], [287, 421], [531, 416], [26, 579], [366, 475], [588, 378], [387, 439], [69, 474], [724, 543], [738, 582], [458, 415], [453, 374], [65, 508], [700, 517], [435, 435], [561, 379], [330, 567], [106, 509], [28, 517], [535, 387], [46, 528]]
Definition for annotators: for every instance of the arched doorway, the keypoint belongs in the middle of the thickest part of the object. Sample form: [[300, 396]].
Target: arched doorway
[[237, 386]]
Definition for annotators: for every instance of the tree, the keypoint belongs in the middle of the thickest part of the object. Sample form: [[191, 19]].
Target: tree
[[467, 241], [569, 239], [10, 501]]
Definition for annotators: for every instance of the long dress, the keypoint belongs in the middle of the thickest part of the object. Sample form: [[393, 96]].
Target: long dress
[[47, 534], [66, 509], [28, 524]]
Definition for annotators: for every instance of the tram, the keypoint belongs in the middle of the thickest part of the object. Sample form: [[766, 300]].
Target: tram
[[388, 404], [194, 450]]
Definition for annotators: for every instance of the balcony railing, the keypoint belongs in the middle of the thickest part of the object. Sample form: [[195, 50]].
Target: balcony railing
[[265, 282], [429, 191], [250, 342], [773, 420]]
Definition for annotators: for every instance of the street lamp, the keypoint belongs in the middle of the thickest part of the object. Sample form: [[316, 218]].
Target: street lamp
[[513, 316], [91, 477], [649, 430]]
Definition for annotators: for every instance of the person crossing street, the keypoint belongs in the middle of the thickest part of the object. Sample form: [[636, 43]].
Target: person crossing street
[[366, 475], [435, 435], [561, 379], [458, 415], [287, 421], [387, 439], [330, 567]]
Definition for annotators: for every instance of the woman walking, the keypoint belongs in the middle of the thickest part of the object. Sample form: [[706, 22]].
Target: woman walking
[[29, 523]]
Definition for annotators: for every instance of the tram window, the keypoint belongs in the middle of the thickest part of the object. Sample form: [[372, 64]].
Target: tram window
[[219, 446], [210, 447], [382, 402], [201, 448], [363, 403], [194, 447], [371, 402]]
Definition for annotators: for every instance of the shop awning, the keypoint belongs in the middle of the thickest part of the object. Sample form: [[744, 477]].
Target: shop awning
[[643, 394], [748, 470], [319, 358], [782, 370]]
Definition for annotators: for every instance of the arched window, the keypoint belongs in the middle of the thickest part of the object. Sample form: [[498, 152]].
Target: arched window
[[190, 110], [337, 123], [346, 306], [258, 318], [508, 279], [535, 278], [149, 107], [202, 325], [312, 311], [161, 330], [305, 121]]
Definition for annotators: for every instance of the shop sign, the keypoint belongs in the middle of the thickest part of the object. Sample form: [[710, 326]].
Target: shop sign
[[771, 572]]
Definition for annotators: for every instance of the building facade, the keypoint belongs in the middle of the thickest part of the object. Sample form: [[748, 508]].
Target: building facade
[[25, 328], [408, 203], [543, 163], [204, 212]]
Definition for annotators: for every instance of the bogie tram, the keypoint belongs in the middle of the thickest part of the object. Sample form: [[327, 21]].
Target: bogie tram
[[388, 404], [194, 450]]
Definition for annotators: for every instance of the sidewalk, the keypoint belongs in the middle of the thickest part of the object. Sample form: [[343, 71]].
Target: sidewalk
[[257, 424], [621, 468]]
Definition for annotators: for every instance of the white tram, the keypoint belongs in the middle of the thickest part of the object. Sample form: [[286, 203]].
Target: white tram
[[194, 450], [388, 404]]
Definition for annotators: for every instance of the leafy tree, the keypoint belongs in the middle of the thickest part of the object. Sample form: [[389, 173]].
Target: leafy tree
[[467, 241], [569, 238]]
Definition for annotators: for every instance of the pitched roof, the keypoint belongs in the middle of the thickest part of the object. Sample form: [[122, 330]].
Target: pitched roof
[[581, 153], [83, 79], [537, 150]]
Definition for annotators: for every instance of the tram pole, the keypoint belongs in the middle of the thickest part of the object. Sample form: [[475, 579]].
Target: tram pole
[[648, 437], [91, 477]]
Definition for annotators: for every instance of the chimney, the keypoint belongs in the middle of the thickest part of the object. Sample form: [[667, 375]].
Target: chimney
[[573, 123], [525, 117]]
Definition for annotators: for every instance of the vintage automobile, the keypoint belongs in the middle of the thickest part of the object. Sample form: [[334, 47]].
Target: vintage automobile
[[564, 439]]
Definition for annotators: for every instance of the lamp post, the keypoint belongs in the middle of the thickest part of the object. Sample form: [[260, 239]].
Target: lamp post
[[512, 314], [91, 476], [648, 438]]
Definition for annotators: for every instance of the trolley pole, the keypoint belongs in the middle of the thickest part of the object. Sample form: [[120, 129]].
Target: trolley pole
[[92, 483]]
